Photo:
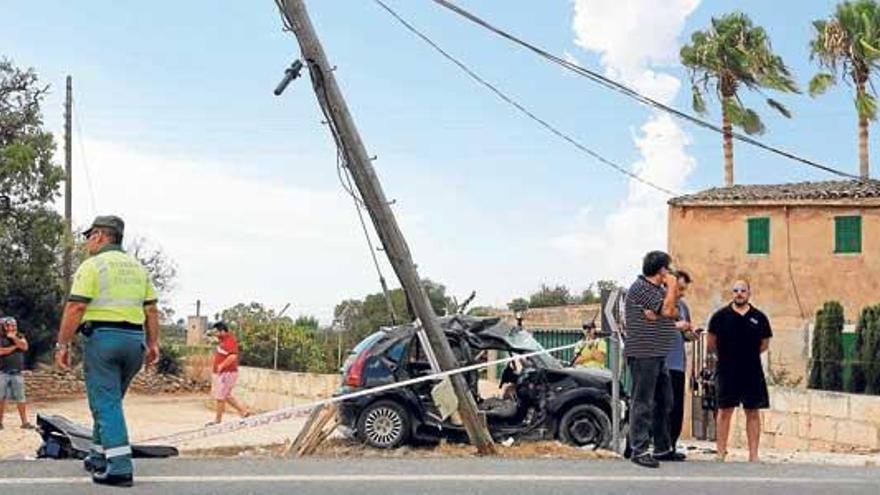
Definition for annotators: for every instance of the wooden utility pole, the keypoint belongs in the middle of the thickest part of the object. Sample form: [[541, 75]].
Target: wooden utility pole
[[68, 186], [359, 164]]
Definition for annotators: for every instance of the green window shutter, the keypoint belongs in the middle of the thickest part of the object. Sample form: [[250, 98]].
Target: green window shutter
[[759, 235], [848, 234]]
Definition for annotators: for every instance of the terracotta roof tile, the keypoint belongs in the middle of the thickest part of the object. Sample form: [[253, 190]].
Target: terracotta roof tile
[[798, 191]]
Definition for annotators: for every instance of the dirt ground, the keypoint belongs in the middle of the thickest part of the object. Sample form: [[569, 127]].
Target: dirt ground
[[148, 416], [154, 416]]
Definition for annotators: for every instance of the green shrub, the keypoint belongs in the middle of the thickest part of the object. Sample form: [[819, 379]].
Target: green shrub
[[815, 379], [858, 381], [832, 347], [826, 372], [869, 353], [170, 361]]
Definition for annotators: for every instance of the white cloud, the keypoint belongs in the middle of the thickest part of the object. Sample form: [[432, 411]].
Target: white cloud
[[235, 239], [633, 35], [635, 39]]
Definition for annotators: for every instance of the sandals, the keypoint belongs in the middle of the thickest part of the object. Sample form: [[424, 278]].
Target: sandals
[[28, 426]]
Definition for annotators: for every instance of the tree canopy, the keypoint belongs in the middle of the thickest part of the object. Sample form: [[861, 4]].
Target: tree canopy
[[31, 231]]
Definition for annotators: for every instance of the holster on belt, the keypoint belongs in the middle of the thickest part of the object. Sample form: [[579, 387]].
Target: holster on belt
[[85, 328]]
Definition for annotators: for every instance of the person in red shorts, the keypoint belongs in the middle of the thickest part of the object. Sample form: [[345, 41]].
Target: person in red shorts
[[225, 372]]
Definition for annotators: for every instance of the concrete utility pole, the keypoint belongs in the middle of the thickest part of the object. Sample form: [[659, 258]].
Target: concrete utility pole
[[68, 186], [331, 100]]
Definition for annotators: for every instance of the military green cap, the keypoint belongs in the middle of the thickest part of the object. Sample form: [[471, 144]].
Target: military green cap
[[109, 222]]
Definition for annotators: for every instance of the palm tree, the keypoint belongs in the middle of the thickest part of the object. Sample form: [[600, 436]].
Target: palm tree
[[846, 46], [733, 53]]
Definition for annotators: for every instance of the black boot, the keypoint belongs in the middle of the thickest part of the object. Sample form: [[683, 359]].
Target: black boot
[[124, 480], [646, 460], [672, 456], [90, 466]]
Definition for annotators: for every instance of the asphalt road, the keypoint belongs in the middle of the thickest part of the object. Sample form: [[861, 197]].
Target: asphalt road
[[442, 477]]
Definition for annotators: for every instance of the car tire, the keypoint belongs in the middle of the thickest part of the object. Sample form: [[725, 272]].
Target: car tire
[[585, 424], [384, 424]]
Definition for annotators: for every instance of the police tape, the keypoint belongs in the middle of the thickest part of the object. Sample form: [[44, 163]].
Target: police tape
[[291, 412]]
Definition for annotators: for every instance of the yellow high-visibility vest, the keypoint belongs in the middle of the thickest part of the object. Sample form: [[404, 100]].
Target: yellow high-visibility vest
[[114, 285]]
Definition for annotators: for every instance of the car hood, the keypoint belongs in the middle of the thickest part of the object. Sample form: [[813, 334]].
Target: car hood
[[587, 377]]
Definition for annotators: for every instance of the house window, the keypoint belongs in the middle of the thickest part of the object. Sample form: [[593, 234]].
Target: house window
[[759, 235], [848, 234]]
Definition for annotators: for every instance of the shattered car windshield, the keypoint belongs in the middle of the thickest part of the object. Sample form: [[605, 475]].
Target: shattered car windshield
[[526, 342]]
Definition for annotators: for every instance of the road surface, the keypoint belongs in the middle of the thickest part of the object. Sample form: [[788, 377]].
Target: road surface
[[442, 477]]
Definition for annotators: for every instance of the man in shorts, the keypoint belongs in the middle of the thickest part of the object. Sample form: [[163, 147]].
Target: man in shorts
[[739, 333], [12, 348], [225, 372]]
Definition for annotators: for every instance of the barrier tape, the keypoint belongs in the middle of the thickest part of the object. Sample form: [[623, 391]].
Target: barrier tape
[[290, 412]]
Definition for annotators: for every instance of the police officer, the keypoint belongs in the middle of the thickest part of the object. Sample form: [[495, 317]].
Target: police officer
[[112, 303]]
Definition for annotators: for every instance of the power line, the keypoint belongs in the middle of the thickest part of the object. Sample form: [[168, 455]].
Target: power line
[[509, 100], [82, 152], [345, 180], [626, 90]]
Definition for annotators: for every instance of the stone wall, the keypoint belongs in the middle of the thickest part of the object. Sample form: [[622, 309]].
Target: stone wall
[[264, 389], [45, 384], [813, 420], [571, 316], [48, 384]]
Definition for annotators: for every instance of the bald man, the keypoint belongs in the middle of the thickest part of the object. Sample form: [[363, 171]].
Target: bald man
[[739, 333]]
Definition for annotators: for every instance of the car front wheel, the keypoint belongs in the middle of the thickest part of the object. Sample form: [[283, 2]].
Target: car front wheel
[[384, 425], [585, 424]]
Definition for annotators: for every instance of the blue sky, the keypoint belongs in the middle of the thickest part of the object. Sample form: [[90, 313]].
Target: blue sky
[[181, 134]]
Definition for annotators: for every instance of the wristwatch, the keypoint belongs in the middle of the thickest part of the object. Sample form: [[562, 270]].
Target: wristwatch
[[59, 346]]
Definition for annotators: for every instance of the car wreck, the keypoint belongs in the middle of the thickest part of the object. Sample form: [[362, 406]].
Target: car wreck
[[539, 398]]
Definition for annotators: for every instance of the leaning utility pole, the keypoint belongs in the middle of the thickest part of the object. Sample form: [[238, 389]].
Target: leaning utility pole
[[359, 164], [68, 186]]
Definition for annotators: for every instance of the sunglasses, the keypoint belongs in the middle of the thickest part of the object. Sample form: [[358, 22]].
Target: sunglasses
[[738, 290]]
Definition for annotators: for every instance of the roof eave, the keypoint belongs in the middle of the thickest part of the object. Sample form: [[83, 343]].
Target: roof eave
[[851, 202]]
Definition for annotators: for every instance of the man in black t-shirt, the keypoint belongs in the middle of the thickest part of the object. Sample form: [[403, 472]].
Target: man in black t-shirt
[[739, 333], [12, 348]]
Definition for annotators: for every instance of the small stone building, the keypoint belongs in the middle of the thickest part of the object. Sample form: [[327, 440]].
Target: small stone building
[[798, 244], [196, 327]]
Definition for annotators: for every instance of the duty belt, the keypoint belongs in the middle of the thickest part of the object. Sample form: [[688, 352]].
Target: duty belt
[[87, 328]]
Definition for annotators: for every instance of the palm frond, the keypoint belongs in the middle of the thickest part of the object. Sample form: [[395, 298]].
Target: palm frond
[[779, 107], [742, 117], [866, 106], [698, 103], [752, 123], [820, 83]]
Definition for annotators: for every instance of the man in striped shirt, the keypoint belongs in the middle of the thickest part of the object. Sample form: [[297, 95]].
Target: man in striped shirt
[[651, 311]]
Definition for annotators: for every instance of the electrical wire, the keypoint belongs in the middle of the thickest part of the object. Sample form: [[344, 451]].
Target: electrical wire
[[343, 172], [509, 100], [626, 90], [82, 152]]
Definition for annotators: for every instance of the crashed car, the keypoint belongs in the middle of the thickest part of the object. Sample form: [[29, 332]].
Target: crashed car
[[540, 398]]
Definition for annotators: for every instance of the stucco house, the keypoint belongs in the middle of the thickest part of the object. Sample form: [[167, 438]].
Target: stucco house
[[798, 244]]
